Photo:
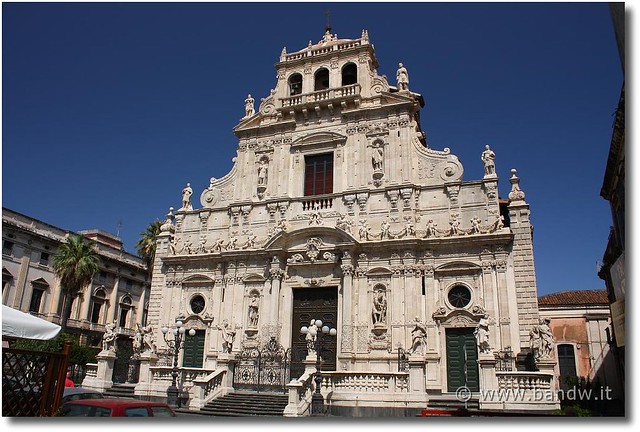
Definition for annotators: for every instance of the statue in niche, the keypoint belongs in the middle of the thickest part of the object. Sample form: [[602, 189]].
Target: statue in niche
[[419, 338], [262, 173], [109, 337], [228, 336], [249, 108], [379, 310], [253, 310], [186, 197], [403, 77], [541, 340], [488, 157], [482, 335], [377, 158]]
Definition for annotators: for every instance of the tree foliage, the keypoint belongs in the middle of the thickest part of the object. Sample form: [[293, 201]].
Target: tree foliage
[[79, 354], [146, 245], [75, 264]]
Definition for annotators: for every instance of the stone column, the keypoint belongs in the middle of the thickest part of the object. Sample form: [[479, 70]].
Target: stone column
[[488, 379], [347, 293]]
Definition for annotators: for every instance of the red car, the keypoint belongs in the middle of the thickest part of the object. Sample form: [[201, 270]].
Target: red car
[[113, 407]]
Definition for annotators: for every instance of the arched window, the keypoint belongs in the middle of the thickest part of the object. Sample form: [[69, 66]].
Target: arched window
[[98, 299], [295, 84], [125, 307], [349, 74], [39, 288], [321, 79]]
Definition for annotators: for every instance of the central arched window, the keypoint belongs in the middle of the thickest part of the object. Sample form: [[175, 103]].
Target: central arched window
[[321, 81], [295, 84], [125, 307]]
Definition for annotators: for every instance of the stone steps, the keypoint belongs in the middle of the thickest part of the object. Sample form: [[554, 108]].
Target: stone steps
[[239, 404]]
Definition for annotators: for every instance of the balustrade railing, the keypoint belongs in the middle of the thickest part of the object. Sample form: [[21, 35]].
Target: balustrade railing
[[300, 394], [322, 95], [366, 382]]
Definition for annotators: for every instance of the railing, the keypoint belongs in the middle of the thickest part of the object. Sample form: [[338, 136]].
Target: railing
[[322, 95], [321, 203], [366, 382], [524, 381], [206, 388], [323, 50], [300, 393], [186, 382]]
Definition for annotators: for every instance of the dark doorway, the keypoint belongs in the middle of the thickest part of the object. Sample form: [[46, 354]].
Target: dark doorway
[[308, 304], [462, 359], [193, 350]]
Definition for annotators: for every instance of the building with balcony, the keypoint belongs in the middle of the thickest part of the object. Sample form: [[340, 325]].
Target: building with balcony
[[337, 208], [119, 292]]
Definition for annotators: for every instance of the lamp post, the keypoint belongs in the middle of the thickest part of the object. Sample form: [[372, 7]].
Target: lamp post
[[315, 330], [175, 345]]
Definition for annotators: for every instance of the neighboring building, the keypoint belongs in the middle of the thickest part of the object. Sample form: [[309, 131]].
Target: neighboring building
[[337, 209], [612, 270], [580, 322], [119, 292]]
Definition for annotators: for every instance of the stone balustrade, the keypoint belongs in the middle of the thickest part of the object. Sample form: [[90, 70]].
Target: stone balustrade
[[323, 50], [321, 95], [206, 388], [365, 382], [300, 393], [534, 381]]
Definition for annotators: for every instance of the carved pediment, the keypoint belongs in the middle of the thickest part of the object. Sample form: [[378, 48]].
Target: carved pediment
[[459, 267], [320, 139]]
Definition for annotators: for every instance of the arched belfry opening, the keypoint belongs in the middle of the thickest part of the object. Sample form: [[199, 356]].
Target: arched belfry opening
[[321, 79], [349, 74], [295, 84]]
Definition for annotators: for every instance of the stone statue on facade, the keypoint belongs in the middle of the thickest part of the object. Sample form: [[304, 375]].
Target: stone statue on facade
[[109, 337], [379, 310], [137, 340], [431, 228], [364, 230], [488, 157], [228, 336], [403, 77], [343, 223], [418, 338], [186, 197], [249, 106], [482, 335], [541, 340], [262, 173], [253, 310], [377, 158], [385, 228], [148, 340], [311, 344]]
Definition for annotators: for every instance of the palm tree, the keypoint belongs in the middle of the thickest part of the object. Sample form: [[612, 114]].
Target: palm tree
[[74, 264], [146, 246]]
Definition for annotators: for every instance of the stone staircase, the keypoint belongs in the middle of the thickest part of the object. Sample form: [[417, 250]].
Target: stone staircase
[[121, 391], [244, 404], [449, 401]]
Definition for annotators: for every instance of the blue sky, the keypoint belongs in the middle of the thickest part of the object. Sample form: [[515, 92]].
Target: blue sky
[[109, 109]]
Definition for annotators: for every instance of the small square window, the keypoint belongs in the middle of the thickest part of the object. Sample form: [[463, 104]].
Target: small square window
[[44, 258]]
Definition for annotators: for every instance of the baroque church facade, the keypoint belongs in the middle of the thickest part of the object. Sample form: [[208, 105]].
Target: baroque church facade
[[337, 209]]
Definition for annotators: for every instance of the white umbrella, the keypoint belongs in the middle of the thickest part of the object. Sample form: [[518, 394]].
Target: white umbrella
[[23, 325]]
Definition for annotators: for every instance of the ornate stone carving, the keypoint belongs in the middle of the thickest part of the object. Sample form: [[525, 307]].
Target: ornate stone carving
[[516, 193]]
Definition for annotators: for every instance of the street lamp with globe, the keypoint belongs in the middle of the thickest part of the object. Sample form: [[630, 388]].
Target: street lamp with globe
[[316, 330], [175, 345]]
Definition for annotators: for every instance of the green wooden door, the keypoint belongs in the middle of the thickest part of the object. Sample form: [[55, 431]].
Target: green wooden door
[[462, 359], [193, 349]]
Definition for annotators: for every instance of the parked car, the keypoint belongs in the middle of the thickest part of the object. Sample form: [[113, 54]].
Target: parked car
[[79, 393], [114, 407]]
